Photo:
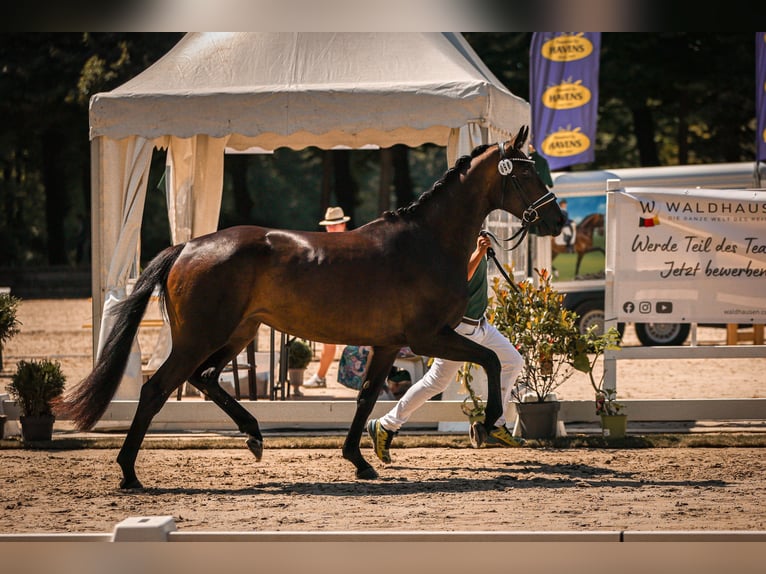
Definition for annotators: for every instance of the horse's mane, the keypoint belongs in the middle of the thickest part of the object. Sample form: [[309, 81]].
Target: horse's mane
[[451, 175]]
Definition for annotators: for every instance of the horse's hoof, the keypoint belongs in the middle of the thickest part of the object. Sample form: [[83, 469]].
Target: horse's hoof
[[256, 447], [134, 484], [368, 473], [477, 434]]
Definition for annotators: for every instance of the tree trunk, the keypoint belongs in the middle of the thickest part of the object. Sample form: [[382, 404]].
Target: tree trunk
[[346, 189], [402, 180], [54, 181], [242, 202], [327, 169], [683, 130], [384, 189], [643, 124]]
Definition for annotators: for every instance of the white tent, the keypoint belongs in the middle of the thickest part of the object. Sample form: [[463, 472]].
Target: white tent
[[214, 91]]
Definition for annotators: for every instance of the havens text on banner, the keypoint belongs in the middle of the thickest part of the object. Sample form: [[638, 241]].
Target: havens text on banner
[[689, 255]]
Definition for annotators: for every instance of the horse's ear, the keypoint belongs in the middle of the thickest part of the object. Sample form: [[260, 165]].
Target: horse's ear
[[521, 137]]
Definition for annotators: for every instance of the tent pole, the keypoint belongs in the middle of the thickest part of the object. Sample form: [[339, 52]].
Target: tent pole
[[96, 214]]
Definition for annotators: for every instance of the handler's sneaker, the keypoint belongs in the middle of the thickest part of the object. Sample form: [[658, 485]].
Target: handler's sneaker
[[381, 439], [316, 382], [502, 436]]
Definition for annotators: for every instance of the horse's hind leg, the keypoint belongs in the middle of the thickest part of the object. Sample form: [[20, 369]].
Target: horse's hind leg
[[154, 394], [380, 366], [205, 379], [207, 382]]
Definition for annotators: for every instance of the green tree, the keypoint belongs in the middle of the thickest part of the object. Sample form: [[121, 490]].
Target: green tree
[[46, 80]]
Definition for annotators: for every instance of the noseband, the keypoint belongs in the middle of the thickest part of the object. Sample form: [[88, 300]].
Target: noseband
[[530, 214]]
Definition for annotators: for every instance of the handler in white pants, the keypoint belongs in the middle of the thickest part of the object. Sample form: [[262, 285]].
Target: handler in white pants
[[474, 326]]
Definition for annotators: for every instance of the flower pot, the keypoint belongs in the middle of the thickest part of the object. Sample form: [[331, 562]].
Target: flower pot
[[538, 420], [295, 376], [34, 428], [614, 426]]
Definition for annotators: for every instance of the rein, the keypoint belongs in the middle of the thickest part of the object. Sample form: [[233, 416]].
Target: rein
[[530, 214], [491, 255]]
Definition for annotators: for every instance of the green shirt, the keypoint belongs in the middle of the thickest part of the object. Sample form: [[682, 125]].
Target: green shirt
[[477, 292]]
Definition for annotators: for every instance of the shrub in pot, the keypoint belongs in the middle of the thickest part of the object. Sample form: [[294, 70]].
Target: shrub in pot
[[614, 421], [35, 386], [9, 324]]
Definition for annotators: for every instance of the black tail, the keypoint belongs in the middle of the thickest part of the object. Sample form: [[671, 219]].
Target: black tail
[[86, 403]]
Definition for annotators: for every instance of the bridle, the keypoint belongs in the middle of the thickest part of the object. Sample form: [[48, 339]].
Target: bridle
[[530, 214]]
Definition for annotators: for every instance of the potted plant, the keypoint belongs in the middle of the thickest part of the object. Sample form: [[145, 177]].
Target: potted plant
[[535, 320], [614, 421], [9, 324], [299, 355], [35, 386]]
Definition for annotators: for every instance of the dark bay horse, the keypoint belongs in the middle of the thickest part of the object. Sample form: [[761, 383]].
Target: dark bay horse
[[397, 281], [583, 239]]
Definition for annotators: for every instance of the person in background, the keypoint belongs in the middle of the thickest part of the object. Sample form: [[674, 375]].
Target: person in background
[[475, 327], [541, 166], [334, 222], [568, 231]]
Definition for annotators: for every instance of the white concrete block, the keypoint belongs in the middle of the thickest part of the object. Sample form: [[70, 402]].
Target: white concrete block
[[144, 529]]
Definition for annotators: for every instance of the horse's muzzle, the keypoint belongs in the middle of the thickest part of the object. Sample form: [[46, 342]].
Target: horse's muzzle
[[544, 227]]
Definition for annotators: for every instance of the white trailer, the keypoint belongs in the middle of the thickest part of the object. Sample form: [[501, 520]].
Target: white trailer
[[585, 194]]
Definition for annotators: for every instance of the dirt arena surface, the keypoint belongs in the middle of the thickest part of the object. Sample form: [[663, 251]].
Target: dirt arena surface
[[446, 488], [443, 489]]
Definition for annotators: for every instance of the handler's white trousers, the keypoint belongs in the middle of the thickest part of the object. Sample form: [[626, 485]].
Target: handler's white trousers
[[443, 372]]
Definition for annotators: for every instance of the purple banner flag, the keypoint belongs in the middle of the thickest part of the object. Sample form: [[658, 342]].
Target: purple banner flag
[[564, 95], [760, 96]]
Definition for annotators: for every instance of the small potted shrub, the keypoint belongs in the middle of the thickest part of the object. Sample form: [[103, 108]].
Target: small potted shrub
[[9, 324], [299, 355], [614, 421], [35, 386]]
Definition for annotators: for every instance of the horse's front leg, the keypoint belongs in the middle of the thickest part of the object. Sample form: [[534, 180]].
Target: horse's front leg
[[377, 372]]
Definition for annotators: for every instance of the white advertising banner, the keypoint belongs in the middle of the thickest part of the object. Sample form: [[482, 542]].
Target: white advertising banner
[[688, 255]]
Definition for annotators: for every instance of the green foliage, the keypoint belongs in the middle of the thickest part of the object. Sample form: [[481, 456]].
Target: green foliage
[[606, 399], [35, 385], [474, 409], [299, 354], [534, 319], [9, 324]]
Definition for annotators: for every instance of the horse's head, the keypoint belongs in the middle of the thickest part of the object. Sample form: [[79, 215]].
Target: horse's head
[[523, 192]]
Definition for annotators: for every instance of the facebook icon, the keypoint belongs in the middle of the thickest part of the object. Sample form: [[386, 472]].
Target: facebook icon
[[628, 307]]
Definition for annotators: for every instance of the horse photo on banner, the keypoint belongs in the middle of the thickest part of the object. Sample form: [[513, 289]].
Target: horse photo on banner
[[564, 68]]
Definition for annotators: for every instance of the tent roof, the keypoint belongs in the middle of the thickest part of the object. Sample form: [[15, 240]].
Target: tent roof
[[300, 89]]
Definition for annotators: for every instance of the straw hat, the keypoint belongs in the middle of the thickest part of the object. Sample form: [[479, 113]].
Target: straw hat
[[334, 216]]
